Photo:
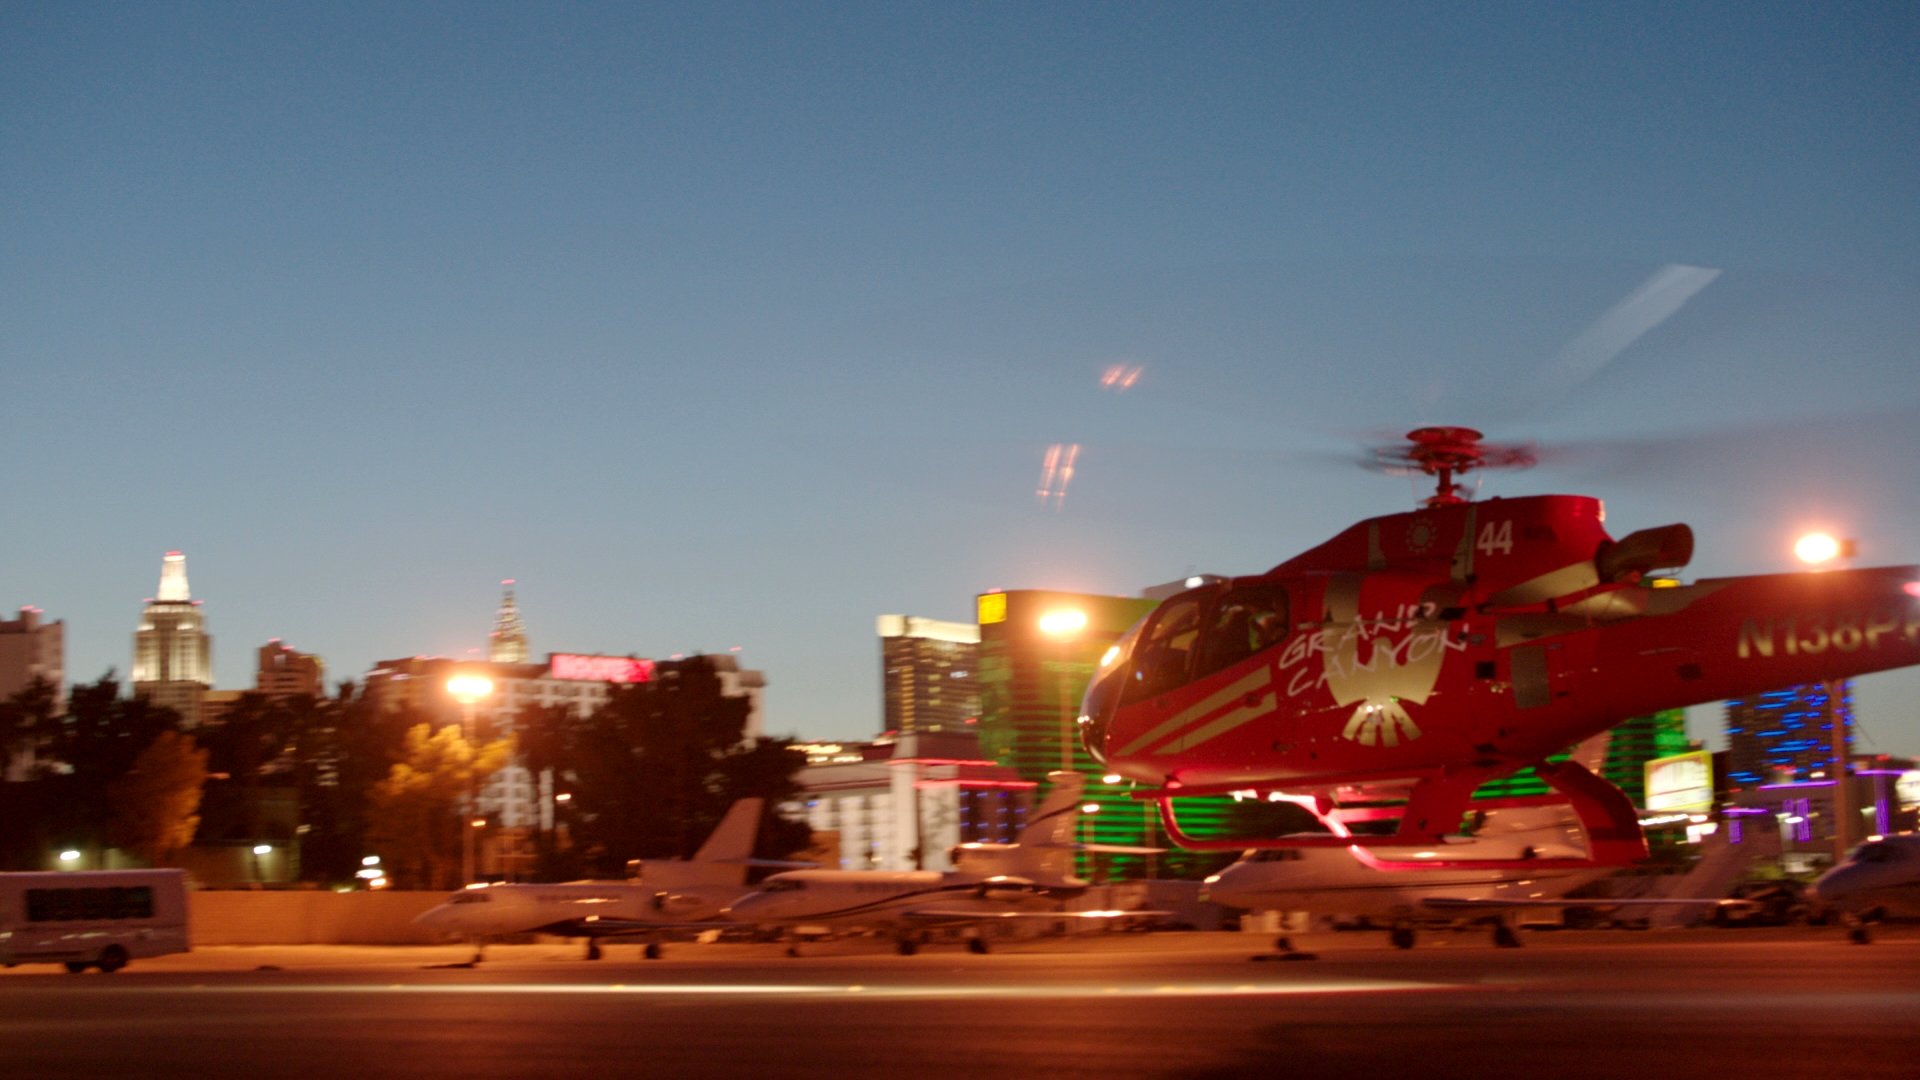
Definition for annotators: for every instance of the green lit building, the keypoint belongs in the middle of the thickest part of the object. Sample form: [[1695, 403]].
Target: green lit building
[[1629, 745], [1038, 651]]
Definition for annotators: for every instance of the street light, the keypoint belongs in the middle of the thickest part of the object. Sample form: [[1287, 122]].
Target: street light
[[1817, 549], [1064, 625], [468, 690], [259, 879]]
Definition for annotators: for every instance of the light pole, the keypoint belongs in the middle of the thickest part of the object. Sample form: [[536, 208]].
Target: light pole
[[1818, 549], [468, 690], [1064, 626]]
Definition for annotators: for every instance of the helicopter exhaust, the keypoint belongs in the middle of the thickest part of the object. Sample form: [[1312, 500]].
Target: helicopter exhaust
[[1665, 547]]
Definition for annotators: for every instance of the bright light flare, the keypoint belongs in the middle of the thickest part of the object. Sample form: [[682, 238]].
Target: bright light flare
[[1056, 472], [1063, 622], [262, 849], [1120, 378], [1816, 548], [467, 689], [1912, 589], [69, 855]]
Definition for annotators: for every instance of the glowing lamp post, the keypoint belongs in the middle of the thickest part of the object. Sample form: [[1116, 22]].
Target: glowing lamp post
[[1064, 626], [1817, 550], [468, 690]]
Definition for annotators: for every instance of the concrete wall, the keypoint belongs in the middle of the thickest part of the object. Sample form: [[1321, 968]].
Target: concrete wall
[[307, 917]]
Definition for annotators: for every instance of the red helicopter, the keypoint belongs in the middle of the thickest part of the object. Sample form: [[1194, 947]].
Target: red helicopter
[[1389, 672]]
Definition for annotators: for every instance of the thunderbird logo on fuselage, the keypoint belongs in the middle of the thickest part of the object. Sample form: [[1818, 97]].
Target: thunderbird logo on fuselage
[[1376, 665]]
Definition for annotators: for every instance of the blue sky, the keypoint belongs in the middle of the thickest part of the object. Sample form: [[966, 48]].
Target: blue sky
[[738, 325]]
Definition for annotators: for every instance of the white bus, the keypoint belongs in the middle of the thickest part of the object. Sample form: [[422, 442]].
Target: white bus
[[92, 918]]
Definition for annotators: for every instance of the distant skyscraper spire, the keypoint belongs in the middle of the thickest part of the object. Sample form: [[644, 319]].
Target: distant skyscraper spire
[[173, 579], [172, 653], [508, 642]]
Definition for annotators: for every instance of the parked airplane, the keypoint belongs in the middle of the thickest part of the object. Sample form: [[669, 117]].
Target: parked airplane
[[1880, 878], [1028, 879], [664, 896], [1352, 881]]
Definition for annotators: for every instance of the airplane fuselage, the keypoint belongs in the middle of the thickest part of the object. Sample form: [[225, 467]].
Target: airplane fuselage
[[573, 908], [885, 898]]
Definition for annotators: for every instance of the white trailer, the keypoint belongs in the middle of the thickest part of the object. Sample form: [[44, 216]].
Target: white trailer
[[92, 918]]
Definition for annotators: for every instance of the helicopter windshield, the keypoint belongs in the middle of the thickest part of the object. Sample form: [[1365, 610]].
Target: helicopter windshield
[[1191, 635], [1103, 693]]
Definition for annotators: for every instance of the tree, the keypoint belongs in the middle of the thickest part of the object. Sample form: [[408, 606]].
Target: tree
[[415, 813], [26, 718], [156, 805], [654, 770], [79, 755], [345, 746]]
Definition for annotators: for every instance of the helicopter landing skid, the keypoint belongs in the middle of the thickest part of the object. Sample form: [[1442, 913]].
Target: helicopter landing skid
[[1434, 805]]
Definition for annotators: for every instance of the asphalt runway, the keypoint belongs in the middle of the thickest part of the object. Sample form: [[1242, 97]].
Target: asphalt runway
[[1711, 1004]]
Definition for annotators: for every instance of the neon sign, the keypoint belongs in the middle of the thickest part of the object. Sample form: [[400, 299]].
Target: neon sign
[[576, 667]]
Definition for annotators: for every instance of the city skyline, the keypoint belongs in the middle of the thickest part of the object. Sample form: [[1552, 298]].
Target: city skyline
[[740, 325]]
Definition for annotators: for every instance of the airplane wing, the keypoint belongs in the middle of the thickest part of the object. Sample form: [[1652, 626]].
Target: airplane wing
[[609, 928], [956, 915], [1448, 903]]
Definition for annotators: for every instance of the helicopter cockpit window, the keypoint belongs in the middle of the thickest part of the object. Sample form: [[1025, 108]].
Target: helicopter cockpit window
[[1166, 651], [1243, 622]]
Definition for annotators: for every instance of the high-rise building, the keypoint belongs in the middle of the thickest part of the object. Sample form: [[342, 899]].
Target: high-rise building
[[929, 681], [283, 672], [1787, 735], [32, 648], [508, 642], [172, 653]]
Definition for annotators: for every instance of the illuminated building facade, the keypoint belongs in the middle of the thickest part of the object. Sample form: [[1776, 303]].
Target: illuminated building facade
[[508, 642], [282, 672], [929, 683], [1619, 755], [172, 652], [1781, 762], [1787, 735], [904, 803]]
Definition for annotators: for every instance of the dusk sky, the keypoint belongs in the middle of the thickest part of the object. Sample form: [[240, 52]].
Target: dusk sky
[[739, 325]]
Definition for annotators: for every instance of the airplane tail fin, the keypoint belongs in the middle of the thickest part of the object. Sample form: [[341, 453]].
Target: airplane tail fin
[[1056, 819], [732, 839], [1046, 850], [724, 859]]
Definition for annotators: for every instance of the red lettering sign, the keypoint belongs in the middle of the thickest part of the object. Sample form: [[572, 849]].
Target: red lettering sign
[[612, 669]]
